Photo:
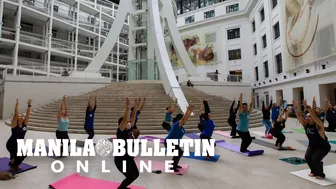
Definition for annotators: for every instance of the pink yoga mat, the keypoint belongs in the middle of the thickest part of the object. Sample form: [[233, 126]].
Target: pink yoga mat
[[75, 181], [158, 165]]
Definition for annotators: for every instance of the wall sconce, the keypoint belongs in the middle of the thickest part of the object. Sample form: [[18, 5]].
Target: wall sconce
[[294, 74], [270, 81], [276, 79], [264, 82], [307, 71], [259, 84], [323, 66], [285, 77]]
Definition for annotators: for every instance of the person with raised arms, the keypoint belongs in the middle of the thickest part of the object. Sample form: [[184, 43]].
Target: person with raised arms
[[277, 128], [63, 123], [330, 113], [169, 115], [138, 112], [232, 118], [19, 129], [318, 146], [125, 131], [266, 111], [89, 118], [177, 132], [209, 125], [243, 126]]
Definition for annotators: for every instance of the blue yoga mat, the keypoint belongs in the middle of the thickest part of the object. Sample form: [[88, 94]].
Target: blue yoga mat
[[192, 156], [4, 167]]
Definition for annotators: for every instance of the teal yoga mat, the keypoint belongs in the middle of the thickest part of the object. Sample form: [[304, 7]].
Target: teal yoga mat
[[332, 141], [294, 160]]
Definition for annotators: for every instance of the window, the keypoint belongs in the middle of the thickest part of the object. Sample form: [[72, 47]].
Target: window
[[267, 98], [105, 24], [92, 21], [266, 69], [276, 29], [262, 14], [235, 54], [209, 14], [55, 8], [27, 27], [278, 63], [54, 33], [52, 58], [256, 73], [189, 19], [274, 3], [253, 26], [255, 49], [257, 99], [234, 33], [232, 8], [264, 41]]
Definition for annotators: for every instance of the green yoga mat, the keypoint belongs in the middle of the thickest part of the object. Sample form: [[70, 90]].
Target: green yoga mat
[[300, 130], [294, 160]]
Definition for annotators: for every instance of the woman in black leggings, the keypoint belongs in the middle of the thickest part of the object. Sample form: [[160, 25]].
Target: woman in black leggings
[[19, 129], [318, 146], [125, 132], [63, 123], [89, 118], [278, 126], [232, 118]]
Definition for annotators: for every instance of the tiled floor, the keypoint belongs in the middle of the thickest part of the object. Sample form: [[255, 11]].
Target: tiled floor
[[232, 171]]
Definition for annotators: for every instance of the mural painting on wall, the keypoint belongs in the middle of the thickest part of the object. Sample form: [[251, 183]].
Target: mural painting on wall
[[301, 24], [200, 48]]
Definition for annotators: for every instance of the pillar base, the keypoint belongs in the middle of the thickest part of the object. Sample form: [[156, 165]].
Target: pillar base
[[79, 74]]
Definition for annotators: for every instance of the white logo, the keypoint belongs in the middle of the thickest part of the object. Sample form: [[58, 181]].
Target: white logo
[[103, 147], [24, 128]]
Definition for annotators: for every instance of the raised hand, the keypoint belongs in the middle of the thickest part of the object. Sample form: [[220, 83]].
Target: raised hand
[[326, 99], [252, 96], [17, 101], [127, 101], [304, 102], [271, 98], [29, 101], [294, 104], [314, 99]]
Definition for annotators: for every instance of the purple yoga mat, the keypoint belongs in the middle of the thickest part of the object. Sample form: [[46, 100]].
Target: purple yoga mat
[[195, 136], [4, 167], [151, 138], [237, 149]]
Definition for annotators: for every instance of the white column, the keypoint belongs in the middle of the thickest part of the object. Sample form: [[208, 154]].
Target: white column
[[2, 2], [17, 38], [100, 26], [76, 40], [50, 34], [95, 3], [117, 59], [112, 10]]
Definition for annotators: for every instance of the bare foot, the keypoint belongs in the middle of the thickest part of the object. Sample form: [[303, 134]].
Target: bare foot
[[319, 178], [311, 175]]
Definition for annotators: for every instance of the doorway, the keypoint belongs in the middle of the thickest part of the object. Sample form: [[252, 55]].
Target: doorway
[[298, 95]]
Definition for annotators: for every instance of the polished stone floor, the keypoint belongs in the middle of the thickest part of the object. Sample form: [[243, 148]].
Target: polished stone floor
[[232, 171]]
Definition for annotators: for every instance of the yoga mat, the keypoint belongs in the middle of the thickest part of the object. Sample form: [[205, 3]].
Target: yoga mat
[[47, 149], [294, 160], [235, 148], [195, 136], [300, 130], [226, 134], [329, 170], [283, 131], [202, 158], [4, 167], [81, 143], [270, 145], [75, 181], [332, 141], [158, 165], [151, 138]]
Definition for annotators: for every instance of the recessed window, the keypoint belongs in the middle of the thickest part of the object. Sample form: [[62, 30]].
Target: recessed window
[[233, 33], [276, 29], [232, 8], [264, 41], [256, 73], [278, 63], [253, 26], [274, 3], [235, 54], [54, 33], [255, 49], [189, 19], [262, 14], [209, 14], [55, 8], [266, 69]]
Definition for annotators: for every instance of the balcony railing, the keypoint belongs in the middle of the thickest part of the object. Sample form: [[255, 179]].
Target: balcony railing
[[32, 40], [37, 5]]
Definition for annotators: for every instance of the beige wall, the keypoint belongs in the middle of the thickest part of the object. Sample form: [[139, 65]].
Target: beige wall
[[43, 90]]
